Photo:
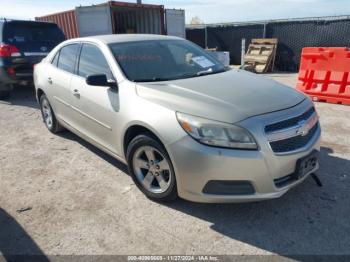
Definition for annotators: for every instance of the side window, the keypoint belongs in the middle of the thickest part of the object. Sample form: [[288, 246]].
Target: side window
[[55, 59], [93, 62], [67, 57]]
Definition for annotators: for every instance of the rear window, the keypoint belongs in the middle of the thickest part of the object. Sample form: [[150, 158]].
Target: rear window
[[17, 33]]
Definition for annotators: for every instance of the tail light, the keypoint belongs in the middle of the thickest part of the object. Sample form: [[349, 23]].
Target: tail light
[[11, 71], [9, 51]]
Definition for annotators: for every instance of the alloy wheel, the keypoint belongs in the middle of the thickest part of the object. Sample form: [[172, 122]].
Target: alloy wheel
[[47, 113], [152, 169]]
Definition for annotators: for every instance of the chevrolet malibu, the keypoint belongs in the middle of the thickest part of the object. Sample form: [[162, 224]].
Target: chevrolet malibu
[[183, 123]]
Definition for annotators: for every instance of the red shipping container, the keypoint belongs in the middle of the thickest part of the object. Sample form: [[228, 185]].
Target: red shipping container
[[65, 20], [324, 74], [121, 17]]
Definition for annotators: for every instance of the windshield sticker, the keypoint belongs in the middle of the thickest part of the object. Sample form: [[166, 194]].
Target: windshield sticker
[[202, 61]]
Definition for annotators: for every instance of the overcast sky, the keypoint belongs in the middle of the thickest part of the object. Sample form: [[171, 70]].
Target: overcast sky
[[210, 11]]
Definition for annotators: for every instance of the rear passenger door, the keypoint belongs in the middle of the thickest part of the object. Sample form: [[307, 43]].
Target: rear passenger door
[[98, 105], [59, 76]]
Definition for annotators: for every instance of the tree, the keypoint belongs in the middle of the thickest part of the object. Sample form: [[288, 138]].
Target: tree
[[196, 21]]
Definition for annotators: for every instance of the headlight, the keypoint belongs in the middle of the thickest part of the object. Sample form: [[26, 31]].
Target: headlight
[[215, 133]]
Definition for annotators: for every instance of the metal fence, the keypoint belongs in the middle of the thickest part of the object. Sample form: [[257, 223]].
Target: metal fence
[[292, 34]]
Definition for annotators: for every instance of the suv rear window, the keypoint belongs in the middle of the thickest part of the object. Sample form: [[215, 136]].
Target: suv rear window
[[31, 32]]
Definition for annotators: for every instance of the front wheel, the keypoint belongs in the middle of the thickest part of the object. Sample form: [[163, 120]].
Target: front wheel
[[151, 169]]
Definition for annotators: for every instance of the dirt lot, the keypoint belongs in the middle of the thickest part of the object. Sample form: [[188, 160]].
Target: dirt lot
[[81, 201]]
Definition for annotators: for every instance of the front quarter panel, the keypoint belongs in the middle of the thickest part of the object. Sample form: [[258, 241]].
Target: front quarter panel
[[158, 119]]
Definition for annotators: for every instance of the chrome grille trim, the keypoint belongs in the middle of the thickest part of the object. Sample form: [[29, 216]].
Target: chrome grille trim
[[285, 123], [302, 128], [295, 134]]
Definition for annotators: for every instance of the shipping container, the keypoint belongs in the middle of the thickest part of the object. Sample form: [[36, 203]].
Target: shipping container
[[175, 22], [65, 20], [119, 18]]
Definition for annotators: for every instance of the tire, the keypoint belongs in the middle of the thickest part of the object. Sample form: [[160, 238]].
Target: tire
[[48, 115], [151, 168], [4, 94]]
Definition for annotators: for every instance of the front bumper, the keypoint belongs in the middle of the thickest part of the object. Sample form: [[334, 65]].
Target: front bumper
[[196, 164]]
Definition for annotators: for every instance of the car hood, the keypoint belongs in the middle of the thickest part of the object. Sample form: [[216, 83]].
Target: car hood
[[229, 97]]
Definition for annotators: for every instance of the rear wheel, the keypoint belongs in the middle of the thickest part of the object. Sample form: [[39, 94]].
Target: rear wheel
[[151, 168], [48, 115]]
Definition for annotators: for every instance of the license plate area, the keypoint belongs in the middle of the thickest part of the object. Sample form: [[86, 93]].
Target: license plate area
[[306, 164]]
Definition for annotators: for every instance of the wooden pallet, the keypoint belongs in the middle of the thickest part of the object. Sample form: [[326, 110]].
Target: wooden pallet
[[261, 54]]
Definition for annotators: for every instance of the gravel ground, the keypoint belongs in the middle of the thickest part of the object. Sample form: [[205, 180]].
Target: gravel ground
[[61, 196]]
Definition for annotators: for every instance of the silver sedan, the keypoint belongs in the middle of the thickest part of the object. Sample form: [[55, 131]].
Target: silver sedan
[[184, 124]]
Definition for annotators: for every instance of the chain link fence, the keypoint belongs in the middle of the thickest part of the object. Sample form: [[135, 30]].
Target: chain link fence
[[292, 36]]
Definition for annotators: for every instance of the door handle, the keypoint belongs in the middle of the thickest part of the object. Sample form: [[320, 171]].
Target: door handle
[[49, 80], [76, 93]]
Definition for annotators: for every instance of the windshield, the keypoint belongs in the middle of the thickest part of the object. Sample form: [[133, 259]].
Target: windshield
[[162, 60]]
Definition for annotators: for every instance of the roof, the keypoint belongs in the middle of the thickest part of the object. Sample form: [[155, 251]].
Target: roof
[[120, 38], [6, 20]]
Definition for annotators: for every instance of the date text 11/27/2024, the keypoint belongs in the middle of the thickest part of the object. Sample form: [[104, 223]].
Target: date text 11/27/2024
[[173, 258]]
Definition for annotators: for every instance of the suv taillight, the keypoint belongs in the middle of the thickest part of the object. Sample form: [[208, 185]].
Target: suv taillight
[[9, 51]]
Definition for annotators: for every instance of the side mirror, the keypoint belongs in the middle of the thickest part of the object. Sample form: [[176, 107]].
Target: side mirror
[[101, 80]]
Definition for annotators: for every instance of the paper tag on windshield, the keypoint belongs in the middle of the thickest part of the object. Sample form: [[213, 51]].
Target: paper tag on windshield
[[202, 61]]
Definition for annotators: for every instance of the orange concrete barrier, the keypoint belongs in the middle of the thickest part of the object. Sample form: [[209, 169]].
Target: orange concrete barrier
[[325, 74]]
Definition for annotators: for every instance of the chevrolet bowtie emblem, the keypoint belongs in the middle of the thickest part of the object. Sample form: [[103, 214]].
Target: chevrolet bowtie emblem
[[303, 129]]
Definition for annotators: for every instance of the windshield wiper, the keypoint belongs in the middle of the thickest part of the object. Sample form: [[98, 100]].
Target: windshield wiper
[[154, 79], [200, 73]]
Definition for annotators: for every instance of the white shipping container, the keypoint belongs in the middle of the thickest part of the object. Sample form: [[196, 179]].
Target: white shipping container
[[94, 20], [175, 22], [119, 18]]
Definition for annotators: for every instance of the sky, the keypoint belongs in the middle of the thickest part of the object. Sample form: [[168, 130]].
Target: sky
[[209, 11]]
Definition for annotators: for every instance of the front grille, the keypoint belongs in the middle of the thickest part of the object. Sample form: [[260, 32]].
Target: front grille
[[293, 143], [289, 122]]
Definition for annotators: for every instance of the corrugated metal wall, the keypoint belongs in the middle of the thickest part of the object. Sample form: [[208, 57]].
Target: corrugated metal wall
[[137, 20], [142, 18], [292, 37], [94, 20], [175, 22], [65, 20]]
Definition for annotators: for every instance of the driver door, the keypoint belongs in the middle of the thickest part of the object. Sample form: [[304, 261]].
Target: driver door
[[98, 106]]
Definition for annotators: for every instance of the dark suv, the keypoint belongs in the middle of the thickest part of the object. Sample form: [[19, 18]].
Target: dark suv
[[22, 45]]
